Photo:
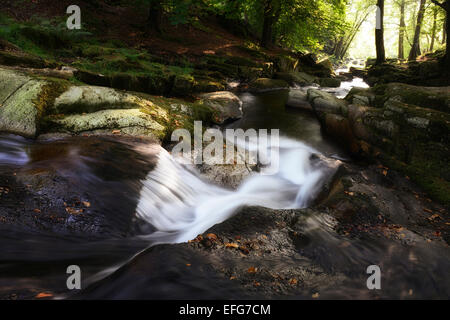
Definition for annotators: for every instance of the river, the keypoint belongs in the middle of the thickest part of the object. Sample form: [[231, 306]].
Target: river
[[125, 196]]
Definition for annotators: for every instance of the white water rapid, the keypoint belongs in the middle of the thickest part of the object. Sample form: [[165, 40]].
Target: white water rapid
[[180, 204]]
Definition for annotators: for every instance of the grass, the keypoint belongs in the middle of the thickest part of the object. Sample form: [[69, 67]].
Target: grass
[[51, 40]]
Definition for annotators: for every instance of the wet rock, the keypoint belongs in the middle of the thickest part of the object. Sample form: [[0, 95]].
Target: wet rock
[[266, 84], [329, 82], [383, 124], [84, 99], [19, 103], [226, 105], [357, 72], [296, 78], [437, 98], [298, 98], [127, 121], [323, 102]]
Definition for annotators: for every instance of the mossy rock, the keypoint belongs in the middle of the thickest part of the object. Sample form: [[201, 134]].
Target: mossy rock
[[133, 121], [285, 63], [266, 84], [296, 78], [329, 82], [437, 98], [23, 101]]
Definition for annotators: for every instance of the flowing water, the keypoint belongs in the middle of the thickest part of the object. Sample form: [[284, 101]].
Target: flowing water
[[134, 195]]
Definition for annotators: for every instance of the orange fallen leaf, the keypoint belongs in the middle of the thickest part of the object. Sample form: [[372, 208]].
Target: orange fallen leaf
[[37, 210], [252, 270], [385, 172], [188, 264], [231, 245], [434, 217], [44, 295], [116, 132], [293, 281], [211, 236], [86, 204], [73, 211]]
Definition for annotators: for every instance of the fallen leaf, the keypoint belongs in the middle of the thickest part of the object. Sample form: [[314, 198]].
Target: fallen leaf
[[73, 211], [252, 270], [434, 217], [188, 264], [232, 277], [37, 210], [427, 210], [385, 172], [211, 236], [244, 250], [231, 245], [44, 295], [86, 204], [315, 295], [293, 281]]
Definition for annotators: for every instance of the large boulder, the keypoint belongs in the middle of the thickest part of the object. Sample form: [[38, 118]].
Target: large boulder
[[266, 84], [84, 99], [298, 98], [329, 82], [225, 104], [296, 78], [399, 125], [123, 121], [437, 98], [323, 103], [20, 103]]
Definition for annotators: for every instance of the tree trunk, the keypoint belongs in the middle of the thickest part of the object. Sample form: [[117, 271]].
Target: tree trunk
[[271, 14], [433, 30], [415, 49], [379, 34], [446, 6], [447, 48], [401, 32], [444, 32], [155, 15]]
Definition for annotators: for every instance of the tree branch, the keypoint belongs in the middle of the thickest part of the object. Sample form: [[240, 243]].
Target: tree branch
[[438, 4]]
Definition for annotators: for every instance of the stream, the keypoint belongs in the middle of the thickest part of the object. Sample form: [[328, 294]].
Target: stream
[[126, 195]]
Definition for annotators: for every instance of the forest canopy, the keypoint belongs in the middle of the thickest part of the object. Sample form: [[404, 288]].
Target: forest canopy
[[337, 27]]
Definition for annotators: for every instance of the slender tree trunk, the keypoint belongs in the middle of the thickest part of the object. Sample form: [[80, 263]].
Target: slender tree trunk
[[444, 32], [271, 14], [446, 6], [401, 32], [433, 30], [415, 49], [447, 32], [155, 15], [379, 34]]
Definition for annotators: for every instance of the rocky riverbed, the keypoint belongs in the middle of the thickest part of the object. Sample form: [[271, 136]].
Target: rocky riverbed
[[69, 192]]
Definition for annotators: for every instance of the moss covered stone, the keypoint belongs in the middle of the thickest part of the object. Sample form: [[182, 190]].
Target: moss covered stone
[[266, 84]]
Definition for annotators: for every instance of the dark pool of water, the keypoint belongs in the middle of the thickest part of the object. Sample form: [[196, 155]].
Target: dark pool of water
[[268, 110]]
